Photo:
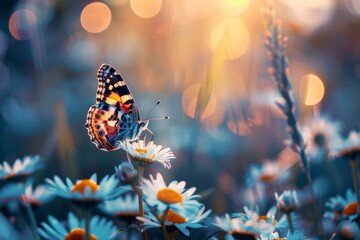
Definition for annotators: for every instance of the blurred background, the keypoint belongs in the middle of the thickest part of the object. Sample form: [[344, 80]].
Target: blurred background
[[204, 60]]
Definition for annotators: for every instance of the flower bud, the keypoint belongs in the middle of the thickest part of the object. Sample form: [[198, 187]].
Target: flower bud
[[126, 173], [287, 202]]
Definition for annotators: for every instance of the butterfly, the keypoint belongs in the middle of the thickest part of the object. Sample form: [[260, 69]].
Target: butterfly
[[115, 116]]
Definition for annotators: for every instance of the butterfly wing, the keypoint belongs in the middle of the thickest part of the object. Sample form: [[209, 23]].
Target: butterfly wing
[[115, 114], [113, 90]]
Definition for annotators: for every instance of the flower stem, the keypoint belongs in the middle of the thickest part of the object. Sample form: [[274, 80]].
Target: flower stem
[[355, 174], [140, 183], [30, 212], [163, 226], [171, 235], [140, 173], [87, 223], [276, 45], [291, 226]]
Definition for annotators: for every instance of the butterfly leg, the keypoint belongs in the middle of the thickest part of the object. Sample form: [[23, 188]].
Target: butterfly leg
[[151, 133]]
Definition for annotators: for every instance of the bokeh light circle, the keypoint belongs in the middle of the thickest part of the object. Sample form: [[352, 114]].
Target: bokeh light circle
[[234, 7], [145, 8], [21, 24], [230, 38], [308, 15], [312, 89], [189, 101], [95, 17]]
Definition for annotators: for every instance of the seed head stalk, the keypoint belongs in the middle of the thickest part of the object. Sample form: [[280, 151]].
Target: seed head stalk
[[276, 44]]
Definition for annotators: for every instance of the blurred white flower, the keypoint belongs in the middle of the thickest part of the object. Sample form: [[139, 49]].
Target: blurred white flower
[[143, 154]]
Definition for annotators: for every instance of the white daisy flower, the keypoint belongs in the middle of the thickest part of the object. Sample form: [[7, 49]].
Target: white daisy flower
[[269, 171], [122, 207], [180, 220], [87, 190], [21, 168], [175, 196], [348, 148], [238, 228], [268, 218], [143, 154], [319, 135], [342, 208], [100, 228], [11, 193], [38, 196]]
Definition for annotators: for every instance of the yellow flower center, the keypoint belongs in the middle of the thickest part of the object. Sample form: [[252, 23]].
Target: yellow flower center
[[173, 217], [265, 218], [81, 185], [169, 196], [78, 234], [139, 150], [351, 208], [267, 177]]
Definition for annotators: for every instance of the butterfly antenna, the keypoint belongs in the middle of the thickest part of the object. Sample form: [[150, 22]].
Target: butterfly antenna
[[147, 115], [159, 118]]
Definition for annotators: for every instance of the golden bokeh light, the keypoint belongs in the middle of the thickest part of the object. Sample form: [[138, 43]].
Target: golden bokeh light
[[312, 89], [189, 101], [146, 8], [309, 15], [21, 24], [230, 38], [239, 127], [234, 7], [95, 17]]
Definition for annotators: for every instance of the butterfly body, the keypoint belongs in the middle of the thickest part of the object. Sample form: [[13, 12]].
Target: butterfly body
[[115, 115]]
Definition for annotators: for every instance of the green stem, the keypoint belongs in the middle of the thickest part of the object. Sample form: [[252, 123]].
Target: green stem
[[140, 193], [163, 226], [316, 206], [87, 223], [30, 212], [140, 183], [291, 226], [355, 175], [172, 235]]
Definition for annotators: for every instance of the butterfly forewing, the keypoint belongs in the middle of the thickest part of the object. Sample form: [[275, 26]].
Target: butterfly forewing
[[115, 116], [112, 90]]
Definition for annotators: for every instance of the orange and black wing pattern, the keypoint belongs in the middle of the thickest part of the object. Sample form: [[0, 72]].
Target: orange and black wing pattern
[[115, 116]]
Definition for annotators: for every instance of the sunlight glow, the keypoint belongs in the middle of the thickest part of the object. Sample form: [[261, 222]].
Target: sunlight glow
[[312, 89], [189, 101], [230, 37], [308, 15], [145, 8], [95, 17], [234, 7]]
